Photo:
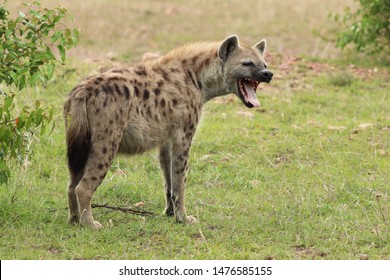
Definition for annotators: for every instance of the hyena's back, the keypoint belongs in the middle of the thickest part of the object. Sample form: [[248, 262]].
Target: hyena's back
[[129, 110]]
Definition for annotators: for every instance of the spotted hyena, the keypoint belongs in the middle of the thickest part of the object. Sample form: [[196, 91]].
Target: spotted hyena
[[156, 103]]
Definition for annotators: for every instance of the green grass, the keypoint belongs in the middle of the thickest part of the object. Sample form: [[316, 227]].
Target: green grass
[[306, 176]]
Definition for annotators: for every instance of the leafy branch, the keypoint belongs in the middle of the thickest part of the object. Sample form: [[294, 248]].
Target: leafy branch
[[367, 28], [31, 46]]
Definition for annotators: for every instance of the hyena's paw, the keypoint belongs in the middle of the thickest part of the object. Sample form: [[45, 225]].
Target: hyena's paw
[[87, 220], [93, 225], [73, 220], [191, 220], [186, 220], [169, 212]]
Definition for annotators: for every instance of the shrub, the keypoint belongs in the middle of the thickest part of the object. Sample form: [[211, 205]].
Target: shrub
[[367, 28], [31, 45]]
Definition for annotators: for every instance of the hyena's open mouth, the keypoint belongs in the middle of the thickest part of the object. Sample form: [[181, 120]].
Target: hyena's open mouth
[[247, 92]]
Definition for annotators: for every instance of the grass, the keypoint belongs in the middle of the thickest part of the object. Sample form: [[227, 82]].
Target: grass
[[306, 176]]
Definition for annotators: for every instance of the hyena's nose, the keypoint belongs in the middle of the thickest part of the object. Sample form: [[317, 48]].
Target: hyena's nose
[[266, 76]]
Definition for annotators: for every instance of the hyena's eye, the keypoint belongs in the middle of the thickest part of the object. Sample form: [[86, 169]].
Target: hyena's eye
[[265, 65], [247, 63]]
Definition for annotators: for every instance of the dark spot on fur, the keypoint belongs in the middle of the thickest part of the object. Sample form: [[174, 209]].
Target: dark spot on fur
[[120, 71], [180, 171], [194, 59], [174, 70], [157, 91], [104, 150], [207, 61], [199, 84], [116, 78], [107, 88], [165, 75], [140, 71], [89, 90], [118, 91], [98, 81], [96, 92], [175, 102], [105, 101], [100, 166], [188, 135], [93, 178], [146, 94], [160, 83], [127, 92], [162, 103], [149, 112], [189, 73], [136, 91]]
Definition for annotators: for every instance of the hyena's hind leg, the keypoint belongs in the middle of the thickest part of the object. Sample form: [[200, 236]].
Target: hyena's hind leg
[[78, 148], [73, 208], [99, 161], [165, 158]]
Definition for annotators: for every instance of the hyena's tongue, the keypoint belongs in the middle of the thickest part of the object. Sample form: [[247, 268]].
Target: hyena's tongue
[[250, 94]]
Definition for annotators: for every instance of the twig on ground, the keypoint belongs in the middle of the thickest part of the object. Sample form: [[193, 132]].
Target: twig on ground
[[124, 209]]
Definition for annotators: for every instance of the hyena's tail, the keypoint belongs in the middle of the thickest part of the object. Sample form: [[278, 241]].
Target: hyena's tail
[[78, 136]]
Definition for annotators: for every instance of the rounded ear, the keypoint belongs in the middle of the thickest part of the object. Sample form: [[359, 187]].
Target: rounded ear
[[261, 46], [227, 46]]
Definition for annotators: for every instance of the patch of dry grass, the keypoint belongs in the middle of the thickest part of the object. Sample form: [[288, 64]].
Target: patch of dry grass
[[126, 29]]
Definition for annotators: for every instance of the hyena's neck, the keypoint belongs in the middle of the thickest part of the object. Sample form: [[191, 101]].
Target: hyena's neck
[[201, 63]]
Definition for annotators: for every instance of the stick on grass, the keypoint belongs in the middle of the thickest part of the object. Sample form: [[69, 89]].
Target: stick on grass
[[124, 209]]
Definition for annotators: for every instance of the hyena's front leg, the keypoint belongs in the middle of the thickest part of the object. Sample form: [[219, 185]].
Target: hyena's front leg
[[165, 158], [180, 155]]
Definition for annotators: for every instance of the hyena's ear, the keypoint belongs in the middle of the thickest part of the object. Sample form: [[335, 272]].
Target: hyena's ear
[[227, 46], [261, 46]]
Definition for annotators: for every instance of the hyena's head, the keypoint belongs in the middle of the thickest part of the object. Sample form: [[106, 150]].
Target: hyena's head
[[244, 68]]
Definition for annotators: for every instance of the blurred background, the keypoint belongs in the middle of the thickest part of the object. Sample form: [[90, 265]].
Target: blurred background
[[125, 29]]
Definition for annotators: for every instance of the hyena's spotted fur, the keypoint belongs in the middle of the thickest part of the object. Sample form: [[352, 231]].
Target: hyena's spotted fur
[[157, 103]]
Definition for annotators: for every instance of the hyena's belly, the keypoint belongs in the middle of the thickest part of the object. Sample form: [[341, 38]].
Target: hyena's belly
[[140, 137]]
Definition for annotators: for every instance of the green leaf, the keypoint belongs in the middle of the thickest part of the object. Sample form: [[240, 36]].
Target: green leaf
[[8, 102], [61, 49]]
